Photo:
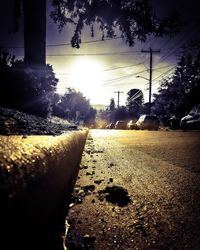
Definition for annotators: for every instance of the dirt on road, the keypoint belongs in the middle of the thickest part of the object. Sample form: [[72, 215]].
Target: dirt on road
[[137, 190]]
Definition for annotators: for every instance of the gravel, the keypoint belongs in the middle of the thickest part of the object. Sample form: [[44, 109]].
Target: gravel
[[13, 122]]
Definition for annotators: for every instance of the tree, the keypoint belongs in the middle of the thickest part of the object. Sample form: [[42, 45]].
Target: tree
[[90, 116], [112, 104], [120, 113], [134, 102], [132, 18], [73, 106], [178, 94], [25, 89]]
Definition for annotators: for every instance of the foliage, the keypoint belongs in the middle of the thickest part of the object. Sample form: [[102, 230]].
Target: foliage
[[134, 19], [112, 104], [5, 59], [134, 103], [73, 106], [134, 107], [119, 113], [178, 94], [24, 88]]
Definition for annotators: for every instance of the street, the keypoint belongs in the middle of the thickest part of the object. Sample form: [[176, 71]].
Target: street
[[137, 190]]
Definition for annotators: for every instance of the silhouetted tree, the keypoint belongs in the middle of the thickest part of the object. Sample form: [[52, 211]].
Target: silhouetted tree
[[6, 60], [73, 106], [178, 94], [90, 116], [112, 104], [25, 89], [134, 102], [134, 19], [120, 113]]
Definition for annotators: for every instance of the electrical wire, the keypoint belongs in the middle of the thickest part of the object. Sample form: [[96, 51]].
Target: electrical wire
[[164, 73], [121, 78], [106, 70], [135, 96], [111, 81], [182, 40], [122, 53], [67, 44], [95, 54]]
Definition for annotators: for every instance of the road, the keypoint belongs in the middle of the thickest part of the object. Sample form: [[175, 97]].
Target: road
[[137, 190]]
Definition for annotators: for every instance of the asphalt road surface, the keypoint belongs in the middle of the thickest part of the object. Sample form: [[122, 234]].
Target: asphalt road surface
[[137, 190]]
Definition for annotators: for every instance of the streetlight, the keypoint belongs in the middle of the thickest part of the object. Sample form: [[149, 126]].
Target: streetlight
[[142, 77]]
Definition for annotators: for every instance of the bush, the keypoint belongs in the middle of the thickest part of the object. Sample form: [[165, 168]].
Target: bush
[[25, 88]]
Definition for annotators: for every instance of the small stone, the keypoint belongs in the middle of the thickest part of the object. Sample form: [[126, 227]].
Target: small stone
[[86, 236], [71, 204]]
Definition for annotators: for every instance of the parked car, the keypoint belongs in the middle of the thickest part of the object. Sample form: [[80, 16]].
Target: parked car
[[110, 126], [192, 120], [174, 122], [148, 122], [120, 125], [131, 124]]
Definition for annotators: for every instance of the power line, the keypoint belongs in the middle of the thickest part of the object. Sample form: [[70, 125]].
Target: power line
[[145, 66], [96, 54], [92, 54], [106, 70], [114, 80], [84, 42], [135, 96], [163, 67], [123, 67], [111, 81], [66, 44], [121, 78], [164, 73], [182, 40]]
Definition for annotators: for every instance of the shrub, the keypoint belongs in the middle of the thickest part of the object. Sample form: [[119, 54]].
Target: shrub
[[25, 88]]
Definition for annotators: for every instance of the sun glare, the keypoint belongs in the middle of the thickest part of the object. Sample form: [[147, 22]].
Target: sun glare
[[86, 75]]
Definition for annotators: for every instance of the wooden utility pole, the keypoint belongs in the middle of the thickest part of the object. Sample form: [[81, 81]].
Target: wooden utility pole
[[118, 94], [35, 32], [150, 72]]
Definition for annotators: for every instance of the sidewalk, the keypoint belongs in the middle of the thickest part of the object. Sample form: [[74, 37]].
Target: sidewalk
[[37, 176]]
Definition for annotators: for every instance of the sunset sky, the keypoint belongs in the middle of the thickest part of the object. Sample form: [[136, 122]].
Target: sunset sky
[[99, 68]]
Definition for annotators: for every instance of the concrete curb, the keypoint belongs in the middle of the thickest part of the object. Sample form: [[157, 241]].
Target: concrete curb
[[37, 174]]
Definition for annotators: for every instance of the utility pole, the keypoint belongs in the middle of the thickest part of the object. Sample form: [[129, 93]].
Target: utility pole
[[35, 33], [150, 72], [118, 94]]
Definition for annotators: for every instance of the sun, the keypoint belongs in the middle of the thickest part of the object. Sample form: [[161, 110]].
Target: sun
[[86, 75]]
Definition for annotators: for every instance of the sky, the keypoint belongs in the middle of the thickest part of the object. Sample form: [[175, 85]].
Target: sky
[[101, 68]]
